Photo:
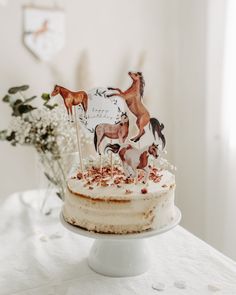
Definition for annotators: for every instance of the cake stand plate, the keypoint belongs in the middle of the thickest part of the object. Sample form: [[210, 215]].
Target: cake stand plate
[[120, 255]]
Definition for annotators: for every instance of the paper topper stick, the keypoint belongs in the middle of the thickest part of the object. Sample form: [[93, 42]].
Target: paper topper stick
[[100, 170], [133, 98], [78, 143], [100, 163], [136, 179], [111, 162]]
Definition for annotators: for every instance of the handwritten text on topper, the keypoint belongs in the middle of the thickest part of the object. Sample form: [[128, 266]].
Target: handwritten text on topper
[[101, 109]]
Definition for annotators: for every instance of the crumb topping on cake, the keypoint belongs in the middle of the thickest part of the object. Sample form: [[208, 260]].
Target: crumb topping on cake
[[105, 176], [112, 184]]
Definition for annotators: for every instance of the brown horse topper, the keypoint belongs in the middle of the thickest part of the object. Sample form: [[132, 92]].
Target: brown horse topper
[[71, 98], [133, 97], [119, 131]]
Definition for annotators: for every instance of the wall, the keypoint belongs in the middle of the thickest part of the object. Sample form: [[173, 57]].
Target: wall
[[216, 196], [189, 116]]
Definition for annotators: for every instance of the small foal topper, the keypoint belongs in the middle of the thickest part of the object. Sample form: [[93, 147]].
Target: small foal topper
[[71, 98], [133, 158]]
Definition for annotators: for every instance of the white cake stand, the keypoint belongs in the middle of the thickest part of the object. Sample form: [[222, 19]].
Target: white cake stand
[[120, 255]]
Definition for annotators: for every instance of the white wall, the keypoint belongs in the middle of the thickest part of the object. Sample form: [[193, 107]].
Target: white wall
[[189, 112], [215, 191]]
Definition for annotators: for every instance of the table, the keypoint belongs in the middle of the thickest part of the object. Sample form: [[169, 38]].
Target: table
[[38, 256]]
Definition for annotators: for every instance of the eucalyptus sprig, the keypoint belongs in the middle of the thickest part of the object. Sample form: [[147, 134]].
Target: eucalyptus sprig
[[18, 105]]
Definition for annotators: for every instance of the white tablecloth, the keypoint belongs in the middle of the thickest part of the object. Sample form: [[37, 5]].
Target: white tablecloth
[[38, 256]]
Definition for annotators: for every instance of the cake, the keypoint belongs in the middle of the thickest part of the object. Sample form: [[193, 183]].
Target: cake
[[120, 206], [125, 192]]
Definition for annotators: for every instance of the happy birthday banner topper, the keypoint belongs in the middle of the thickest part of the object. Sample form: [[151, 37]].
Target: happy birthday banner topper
[[101, 109]]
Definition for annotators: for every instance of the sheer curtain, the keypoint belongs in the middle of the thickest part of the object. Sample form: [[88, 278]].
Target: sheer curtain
[[229, 126], [221, 126]]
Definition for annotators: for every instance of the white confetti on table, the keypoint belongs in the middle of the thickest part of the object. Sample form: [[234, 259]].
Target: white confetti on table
[[55, 236], [180, 284], [159, 286], [213, 288], [43, 238]]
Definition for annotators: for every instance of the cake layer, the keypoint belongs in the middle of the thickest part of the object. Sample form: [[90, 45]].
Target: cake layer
[[112, 210]]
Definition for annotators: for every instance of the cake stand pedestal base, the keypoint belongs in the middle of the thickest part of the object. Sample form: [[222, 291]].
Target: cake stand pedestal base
[[119, 258], [121, 255]]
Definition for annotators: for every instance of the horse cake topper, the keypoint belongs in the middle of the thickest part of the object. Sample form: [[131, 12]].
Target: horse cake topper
[[71, 99], [105, 112], [133, 98], [118, 131], [133, 158]]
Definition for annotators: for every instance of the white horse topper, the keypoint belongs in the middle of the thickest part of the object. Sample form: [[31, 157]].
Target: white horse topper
[[133, 158]]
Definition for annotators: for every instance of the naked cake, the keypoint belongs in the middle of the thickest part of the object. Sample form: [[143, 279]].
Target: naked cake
[[132, 194], [120, 206]]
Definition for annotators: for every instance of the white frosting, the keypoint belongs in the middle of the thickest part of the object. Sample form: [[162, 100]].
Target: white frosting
[[110, 209], [119, 193]]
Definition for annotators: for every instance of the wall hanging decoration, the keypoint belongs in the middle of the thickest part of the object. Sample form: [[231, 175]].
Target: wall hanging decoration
[[43, 30]]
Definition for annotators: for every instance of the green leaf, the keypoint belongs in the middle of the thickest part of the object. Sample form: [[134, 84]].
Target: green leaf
[[59, 195], [20, 108], [46, 96], [18, 102], [25, 109], [52, 180], [23, 87], [14, 90], [3, 134], [51, 107], [15, 112], [11, 136], [6, 98], [16, 106], [30, 99]]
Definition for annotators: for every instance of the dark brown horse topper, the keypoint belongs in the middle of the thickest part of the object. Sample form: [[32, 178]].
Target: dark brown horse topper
[[133, 97], [71, 98], [119, 131]]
